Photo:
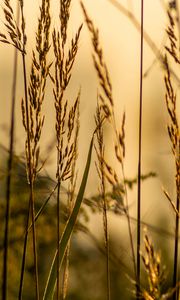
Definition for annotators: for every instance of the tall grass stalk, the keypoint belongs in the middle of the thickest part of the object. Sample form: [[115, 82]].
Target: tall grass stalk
[[178, 20], [174, 136], [100, 151], [106, 105], [66, 148], [176, 239], [71, 199], [121, 136], [9, 172], [29, 160], [58, 237], [23, 262], [32, 114], [139, 156], [176, 244]]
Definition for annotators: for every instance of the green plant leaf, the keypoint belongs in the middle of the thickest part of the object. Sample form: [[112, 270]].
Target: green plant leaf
[[52, 277]]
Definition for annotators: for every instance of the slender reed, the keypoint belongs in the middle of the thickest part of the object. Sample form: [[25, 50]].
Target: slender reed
[[65, 146], [174, 136], [29, 160], [120, 155], [100, 149], [30, 175], [107, 107], [9, 170], [176, 247], [32, 117], [73, 123], [139, 156], [177, 7], [176, 240]]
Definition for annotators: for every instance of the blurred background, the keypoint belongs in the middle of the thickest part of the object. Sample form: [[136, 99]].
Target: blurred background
[[120, 41]]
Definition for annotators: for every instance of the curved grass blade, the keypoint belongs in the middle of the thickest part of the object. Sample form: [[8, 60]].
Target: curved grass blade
[[52, 277]]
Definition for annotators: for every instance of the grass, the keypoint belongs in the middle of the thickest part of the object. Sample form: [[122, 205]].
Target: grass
[[44, 240], [140, 155], [9, 176]]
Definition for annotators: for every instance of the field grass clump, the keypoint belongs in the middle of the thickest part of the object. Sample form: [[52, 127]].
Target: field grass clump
[[42, 215]]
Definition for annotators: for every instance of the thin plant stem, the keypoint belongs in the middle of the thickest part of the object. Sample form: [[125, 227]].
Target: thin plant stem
[[9, 175], [175, 271], [176, 248], [107, 250], [176, 240], [31, 186], [178, 20], [26, 238], [109, 113], [139, 156], [127, 206], [106, 229], [58, 237], [129, 223], [173, 132], [101, 172], [24, 255], [29, 158]]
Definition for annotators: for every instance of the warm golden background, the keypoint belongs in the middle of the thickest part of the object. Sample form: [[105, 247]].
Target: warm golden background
[[121, 44]]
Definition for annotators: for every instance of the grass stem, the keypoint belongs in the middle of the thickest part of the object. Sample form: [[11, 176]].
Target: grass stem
[[139, 156], [29, 160], [24, 256], [176, 239], [58, 237], [9, 174], [176, 244]]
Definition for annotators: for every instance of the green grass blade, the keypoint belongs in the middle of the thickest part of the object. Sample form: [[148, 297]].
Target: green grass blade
[[51, 282]]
